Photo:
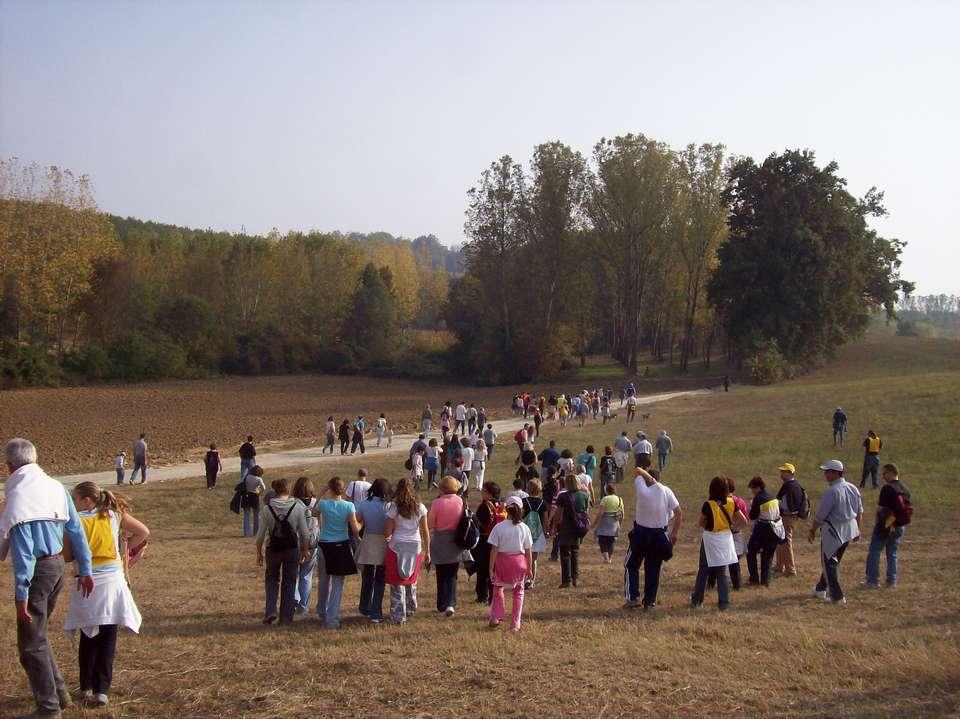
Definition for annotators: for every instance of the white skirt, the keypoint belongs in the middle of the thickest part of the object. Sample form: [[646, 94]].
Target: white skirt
[[719, 549], [110, 602]]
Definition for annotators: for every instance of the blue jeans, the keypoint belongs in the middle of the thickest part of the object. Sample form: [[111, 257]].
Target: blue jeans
[[718, 574], [305, 584], [249, 512], [245, 466], [120, 475], [329, 594], [662, 460], [889, 543], [281, 573], [426, 425], [372, 586], [142, 466]]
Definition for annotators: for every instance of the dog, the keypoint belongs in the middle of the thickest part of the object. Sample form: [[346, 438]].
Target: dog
[[645, 417]]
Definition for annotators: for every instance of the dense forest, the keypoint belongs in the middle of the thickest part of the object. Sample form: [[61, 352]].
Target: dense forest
[[929, 316], [641, 251]]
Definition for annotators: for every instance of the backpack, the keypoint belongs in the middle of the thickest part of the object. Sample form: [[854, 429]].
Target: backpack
[[212, 462], [607, 466], [532, 519], [520, 437], [803, 511], [282, 536], [498, 513], [902, 510], [313, 526], [467, 534], [580, 520]]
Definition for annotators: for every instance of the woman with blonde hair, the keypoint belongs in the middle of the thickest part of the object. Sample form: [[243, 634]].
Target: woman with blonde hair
[[408, 547], [306, 493], [442, 520], [116, 541], [479, 463]]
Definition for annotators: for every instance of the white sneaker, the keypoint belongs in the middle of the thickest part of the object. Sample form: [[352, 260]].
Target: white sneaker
[[841, 600], [449, 611], [818, 594], [100, 700]]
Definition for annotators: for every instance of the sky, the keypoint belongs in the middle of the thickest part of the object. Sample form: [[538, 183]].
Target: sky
[[366, 116]]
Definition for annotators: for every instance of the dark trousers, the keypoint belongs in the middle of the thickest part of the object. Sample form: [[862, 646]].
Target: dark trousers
[[764, 544], [830, 577], [481, 557], [555, 549], [283, 569], [645, 550], [606, 544], [447, 585], [734, 570], [357, 443], [344, 445], [211, 479], [718, 575], [96, 659], [458, 426], [871, 466], [373, 579], [569, 564], [36, 654]]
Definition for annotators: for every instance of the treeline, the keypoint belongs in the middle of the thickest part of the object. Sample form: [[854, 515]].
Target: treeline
[[87, 296], [929, 316], [645, 249]]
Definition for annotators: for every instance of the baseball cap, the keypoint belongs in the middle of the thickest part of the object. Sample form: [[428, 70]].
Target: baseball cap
[[834, 464], [515, 501], [787, 467]]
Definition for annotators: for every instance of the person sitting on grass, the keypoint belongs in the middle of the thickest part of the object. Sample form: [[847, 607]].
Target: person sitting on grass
[[283, 525], [511, 562]]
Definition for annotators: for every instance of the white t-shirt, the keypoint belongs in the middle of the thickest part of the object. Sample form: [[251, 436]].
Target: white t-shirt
[[511, 538], [643, 447], [586, 481], [118, 462], [433, 452], [460, 412], [406, 529], [655, 504], [631, 401], [479, 456], [357, 490], [517, 493], [467, 454], [565, 464]]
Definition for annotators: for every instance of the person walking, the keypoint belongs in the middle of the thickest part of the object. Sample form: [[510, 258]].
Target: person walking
[[631, 408], [139, 460], [489, 514], [338, 522], [656, 525], [622, 448], [343, 434], [894, 511], [416, 468], [118, 462], [380, 428], [38, 513], [431, 462], [471, 419], [443, 518], [871, 459], [304, 490], [719, 516], [839, 513], [767, 532], [664, 448], [356, 492], [536, 512], [606, 523], [358, 429], [793, 503], [116, 539], [330, 436], [408, 548], [839, 426], [564, 521], [608, 467], [489, 439], [511, 563], [283, 525], [248, 455], [642, 451], [426, 420], [372, 553], [212, 466], [253, 487], [460, 419]]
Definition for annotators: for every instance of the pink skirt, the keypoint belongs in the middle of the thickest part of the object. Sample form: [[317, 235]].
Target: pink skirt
[[392, 573], [509, 570]]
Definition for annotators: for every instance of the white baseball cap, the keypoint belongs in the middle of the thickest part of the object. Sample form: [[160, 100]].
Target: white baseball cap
[[834, 464]]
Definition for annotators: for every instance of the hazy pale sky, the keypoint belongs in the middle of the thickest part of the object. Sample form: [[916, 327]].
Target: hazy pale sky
[[380, 115]]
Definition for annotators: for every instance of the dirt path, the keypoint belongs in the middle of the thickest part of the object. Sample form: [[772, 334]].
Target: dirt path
[[310, 456]]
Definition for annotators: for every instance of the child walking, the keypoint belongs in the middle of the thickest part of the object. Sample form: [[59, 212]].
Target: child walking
[[511, 562]]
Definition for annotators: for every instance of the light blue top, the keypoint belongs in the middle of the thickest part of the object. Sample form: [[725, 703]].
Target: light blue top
[[30, 540], [334, 517], [373, 514]]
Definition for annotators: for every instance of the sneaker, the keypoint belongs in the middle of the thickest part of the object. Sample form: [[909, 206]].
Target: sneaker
[[649, 607], [891, 585], [819, 594], [449, 612], [100, 700], [868, 585], [841, 600], [374, 620], [631, 604], [270, 619], [493, 623]]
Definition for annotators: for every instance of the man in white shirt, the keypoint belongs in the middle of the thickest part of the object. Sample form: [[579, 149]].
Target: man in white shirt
[[460, 419], [642, 451], [357, 490], [656, 523]]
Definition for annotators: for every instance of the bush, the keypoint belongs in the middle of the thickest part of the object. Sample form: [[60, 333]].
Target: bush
[[768, 365], [137, 357], [28, 366], [91, 363]]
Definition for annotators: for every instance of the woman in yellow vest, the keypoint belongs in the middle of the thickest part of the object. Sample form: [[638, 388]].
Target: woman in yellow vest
[[718, 517], [871, 459], [116, 541]]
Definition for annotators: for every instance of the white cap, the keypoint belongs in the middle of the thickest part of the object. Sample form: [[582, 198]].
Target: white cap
[[834, 464]]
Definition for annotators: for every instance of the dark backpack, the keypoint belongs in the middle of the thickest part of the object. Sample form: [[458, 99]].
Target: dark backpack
[[282, 536], [467, 534], [803, 511], [902, 510]]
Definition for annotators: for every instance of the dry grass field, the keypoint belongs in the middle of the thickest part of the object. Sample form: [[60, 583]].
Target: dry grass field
[[778, 652]]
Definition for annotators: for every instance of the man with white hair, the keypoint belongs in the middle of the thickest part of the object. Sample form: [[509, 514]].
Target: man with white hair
[[37, 512], [839, 513], [664, 447]]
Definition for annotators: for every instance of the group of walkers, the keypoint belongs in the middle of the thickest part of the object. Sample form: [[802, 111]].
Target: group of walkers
[[43, 527]]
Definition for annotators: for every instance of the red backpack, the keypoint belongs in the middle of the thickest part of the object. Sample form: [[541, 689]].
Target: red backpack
[[498, 513], [902, 510]]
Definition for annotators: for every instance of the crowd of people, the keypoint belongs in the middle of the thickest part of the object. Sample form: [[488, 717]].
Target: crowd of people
[[309, 539]]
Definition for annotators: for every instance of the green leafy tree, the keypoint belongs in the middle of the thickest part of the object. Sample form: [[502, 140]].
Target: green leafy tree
[[372, 328]]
